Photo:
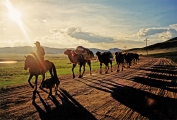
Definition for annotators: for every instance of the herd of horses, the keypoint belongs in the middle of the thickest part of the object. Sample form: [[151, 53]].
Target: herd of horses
[[80, 56]]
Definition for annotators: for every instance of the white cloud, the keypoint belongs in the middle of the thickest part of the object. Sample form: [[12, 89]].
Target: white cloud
[[174, 26], [151, 31], [165, 35], [157, 34]]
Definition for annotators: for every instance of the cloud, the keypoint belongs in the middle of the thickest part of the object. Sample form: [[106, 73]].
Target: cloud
[[39, 20], [158, 34], [90, 37], [174, 26], [151, 31]]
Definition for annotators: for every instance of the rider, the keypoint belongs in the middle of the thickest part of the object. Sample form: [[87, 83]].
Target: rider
[[40, 55]]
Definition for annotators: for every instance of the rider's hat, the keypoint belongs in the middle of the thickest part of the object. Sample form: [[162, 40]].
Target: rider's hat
[[37, 42]]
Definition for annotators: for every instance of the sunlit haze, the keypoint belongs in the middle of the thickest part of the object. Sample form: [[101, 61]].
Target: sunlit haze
[[91, 23]]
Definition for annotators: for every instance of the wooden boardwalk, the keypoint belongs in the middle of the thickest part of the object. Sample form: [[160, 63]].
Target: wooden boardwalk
[[147, 90]]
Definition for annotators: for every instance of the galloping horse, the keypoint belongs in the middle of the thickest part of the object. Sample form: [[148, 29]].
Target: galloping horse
[[33, 64], [77, 59]]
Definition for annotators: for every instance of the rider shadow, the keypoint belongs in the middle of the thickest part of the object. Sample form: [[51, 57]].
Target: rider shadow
[[69, 108], [43, 113], [147, 104]]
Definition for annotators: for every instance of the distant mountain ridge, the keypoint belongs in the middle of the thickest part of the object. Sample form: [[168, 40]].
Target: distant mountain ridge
[[48, 50], [166, 46]]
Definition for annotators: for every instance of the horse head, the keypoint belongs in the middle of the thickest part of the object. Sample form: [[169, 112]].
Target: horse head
[[28, 61], [98, 53]]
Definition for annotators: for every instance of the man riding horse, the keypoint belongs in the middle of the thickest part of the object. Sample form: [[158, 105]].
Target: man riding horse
[[39, 56]]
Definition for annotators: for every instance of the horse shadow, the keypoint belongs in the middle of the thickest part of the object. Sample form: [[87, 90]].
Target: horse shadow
[[68, 109], [145, 103], [161, 76]]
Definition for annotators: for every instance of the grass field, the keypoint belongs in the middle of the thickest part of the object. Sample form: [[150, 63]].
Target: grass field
[[14, 74]]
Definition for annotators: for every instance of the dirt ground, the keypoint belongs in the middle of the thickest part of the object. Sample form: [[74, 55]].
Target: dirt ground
[[146, 90]]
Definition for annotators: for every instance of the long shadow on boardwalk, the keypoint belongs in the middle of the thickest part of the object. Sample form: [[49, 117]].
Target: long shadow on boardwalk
[[147, 104], [153, 82], [67, 110]]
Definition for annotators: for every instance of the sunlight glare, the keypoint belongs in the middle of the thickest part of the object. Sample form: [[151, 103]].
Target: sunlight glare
[[15, 15]]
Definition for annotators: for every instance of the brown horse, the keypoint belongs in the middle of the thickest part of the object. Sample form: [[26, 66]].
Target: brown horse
[[77, 59], [34, 70]]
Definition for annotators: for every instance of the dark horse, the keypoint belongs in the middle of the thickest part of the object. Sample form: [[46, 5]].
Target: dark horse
[[34, 70], [106, 58], [119, 60], [77, 59]]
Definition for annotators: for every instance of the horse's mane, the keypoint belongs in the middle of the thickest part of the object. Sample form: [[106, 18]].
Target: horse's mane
[[31, 56]]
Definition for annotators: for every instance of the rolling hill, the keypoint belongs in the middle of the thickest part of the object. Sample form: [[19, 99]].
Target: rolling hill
[[167, 49], [163, 47], [48, 50]]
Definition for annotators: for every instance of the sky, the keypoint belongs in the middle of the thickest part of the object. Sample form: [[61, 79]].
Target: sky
[[102, 24]]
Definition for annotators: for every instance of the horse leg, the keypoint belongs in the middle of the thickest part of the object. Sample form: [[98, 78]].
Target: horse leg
[[100, 68], [83, 70], [29, 80], [80, 71], [122, 66], [118, 67], [50, 71], [111, 66], [35, 88], [43, 77], [74, 65], [89, 63], [106, 68]]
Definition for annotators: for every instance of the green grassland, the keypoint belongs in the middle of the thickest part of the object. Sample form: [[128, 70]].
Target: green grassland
[[14, 73]]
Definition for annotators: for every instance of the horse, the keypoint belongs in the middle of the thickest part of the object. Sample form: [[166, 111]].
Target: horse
[[119, 60], [128, 59], [32, 63], [77, 59], [136, 57], [106, 58]]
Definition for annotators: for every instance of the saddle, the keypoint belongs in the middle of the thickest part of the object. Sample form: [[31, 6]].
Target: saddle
[[40, 63], [85, 52]]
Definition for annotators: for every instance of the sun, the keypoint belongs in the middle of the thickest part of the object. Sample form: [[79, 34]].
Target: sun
[[15, 15]]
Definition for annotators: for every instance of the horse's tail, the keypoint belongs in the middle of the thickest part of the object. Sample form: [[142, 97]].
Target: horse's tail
[[54, 70]]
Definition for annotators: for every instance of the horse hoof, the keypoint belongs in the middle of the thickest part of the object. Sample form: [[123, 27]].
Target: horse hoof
[[117, 70], [80, 76], [32, 86]]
